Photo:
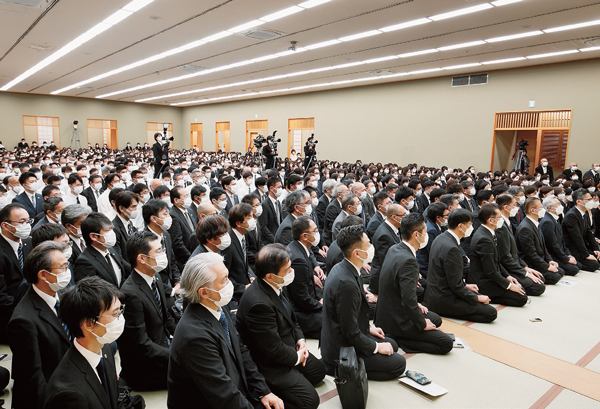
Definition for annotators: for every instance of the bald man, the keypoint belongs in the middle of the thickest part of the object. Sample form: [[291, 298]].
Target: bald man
[[573, 173], [545, 169]]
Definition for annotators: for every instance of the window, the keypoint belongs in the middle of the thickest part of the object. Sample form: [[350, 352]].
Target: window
[[41, 129], [297, 140], [102, 131]]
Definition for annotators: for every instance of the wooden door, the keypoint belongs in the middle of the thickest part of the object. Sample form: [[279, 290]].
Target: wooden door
[[554, 148], [196, 136], [222, 136]]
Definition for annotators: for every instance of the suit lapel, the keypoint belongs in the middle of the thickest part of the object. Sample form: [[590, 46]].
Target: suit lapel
[[206, 315], [143, 285], [352, 271], [46, 314], [7, 248], [90, 376], [96, 254], [276, 300]]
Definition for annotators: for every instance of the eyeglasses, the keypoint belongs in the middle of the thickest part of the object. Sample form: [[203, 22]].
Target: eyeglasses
[[64, 268], [119, 313], [19, 222]]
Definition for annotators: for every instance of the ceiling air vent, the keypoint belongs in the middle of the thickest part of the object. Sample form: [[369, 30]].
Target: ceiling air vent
[[260, 34], [381, 73], [190, 68], [464, 80]]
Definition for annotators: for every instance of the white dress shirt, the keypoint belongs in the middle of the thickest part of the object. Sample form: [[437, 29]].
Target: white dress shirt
[[115, 266]]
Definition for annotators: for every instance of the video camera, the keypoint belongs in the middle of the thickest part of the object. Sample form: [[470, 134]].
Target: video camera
[[523, 145], [259, 141], [312, 145], [164, 137], [273, 143]]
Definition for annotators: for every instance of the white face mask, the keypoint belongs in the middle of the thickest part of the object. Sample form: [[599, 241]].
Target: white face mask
[[222, 204], [62, 279], [166, 223], [97, 186], [372, 190], [258, 211], [134, 214], [561, 196], [251, 224], [314, 202], [162, 262], [225, 242], [113, 330], [77, 190], [126, 177], [287, 279], [316, 239], [410, 204], [544, 164], [541, 213], [226, 294], [18, 189], [514, 211], [574, 177], [590, 205], [22, 231], [499, 222], [370, 254], [469, 231], [560, 210], [358, 209], [119, 185], [573, 168], [278, 192], [314, 184], [110, 239], [146, 197], [167, 201], [591, 189], [423, 244], [68, 253], [472, 191], [187, 202], [522, 199]]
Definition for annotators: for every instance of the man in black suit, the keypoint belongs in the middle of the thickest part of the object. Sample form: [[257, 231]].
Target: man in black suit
[[100, 258], [298, 204], [346, 313], [209, 366], [399, 314], [303, 293], [126, 204], [236, 258], [144, 345], [52, 209], [578, 234], [23, 144], [182, 227], [267, 324], [228, 183], [324, 201], [86, 377], [199, 195], [381, 201], [71, 218], [545, 169], [531, 280], [93, 192], [213, 235], [553, 237], [271, 217], [594, 172], [424, 198], [160, 151], [531, 244], [333, 210], [15, 245], [437, 219], [202, 211], [446, 292], [29, 199], [35, 332], [573, 173], [386, 236], [253, 243], [158, 220], [486, 272], [468, 202]]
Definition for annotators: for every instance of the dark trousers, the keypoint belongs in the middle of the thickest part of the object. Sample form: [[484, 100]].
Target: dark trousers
[[430, 342], [570, 269], [483, 313], [510, 298], [302, 395], [553, 278], [531, 288], [384, 367], [589, 265]]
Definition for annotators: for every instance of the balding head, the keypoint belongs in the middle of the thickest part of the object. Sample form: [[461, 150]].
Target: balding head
[[395, 210], [205, 209], [155, 183], [357, 188]]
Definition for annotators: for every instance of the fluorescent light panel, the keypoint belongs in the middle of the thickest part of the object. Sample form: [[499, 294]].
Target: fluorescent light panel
[[360, 35], [533, 57], [415, 53], [499, 3], [400, 26], [463, 45], [111, 20], [514, 36], [504, 60], [312, 3], [461, 12], [572, 26], [589, 49], [457, 67]]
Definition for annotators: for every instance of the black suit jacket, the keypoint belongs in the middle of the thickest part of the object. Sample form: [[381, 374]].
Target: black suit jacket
[[302, 291], [549, 171], [143, 347], [253, 244], [331, 213], [284, 231], [578, 235], [11, 278], [269, 222], [91, 263], [170, 275], [122, 236], [398, 312], [75, 385], [374, 224], [270, 333], [320, 209], [180, 232], [446, 292], [334, 255], [508, 253], [23, 199], [89, 194], [231, 203], [532, 248], [594, 175], [383, 239], [160, 152], [193, 212], [433, 231], [346, 315], [569, 174], [237, 265], [553, 237], [206, 371], [423, 202], [485, 270], [38, 342], [76, 252]]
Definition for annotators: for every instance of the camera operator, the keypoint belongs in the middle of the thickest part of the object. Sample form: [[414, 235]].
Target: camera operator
[[161, 154], [270, 151], [310, 150]]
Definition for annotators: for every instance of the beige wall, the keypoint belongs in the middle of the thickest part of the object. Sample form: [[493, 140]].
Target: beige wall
[[425, 121], [131, 118]]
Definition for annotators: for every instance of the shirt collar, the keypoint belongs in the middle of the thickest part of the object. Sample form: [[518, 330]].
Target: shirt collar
[[160, 236], [48, 299], [412, 249], [505, 219], [92, 358], [455, 236], [581, 212], [125, 222], [277, 290], [304, 247], [490, 230], [355, 266], [146, 277], [13, 244], [239, 235], [394, 228], [103, 252], [274, 201], [216, 313], [537, 223]]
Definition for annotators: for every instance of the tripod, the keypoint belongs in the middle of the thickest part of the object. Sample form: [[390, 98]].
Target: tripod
[[74, 145], [310, 162], [522, 161]]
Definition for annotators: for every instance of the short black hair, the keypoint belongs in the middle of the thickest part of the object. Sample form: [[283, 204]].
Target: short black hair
[[299, 226], [351, 221], [86, 301], [411, 223], [211, 227], [348, 237], [486, 211], [504, 199], [176, 193], [110, 177], [272, 182], [139, 243], [50, 203], [577, 195], [197, 191], [93, 224], [26, 175], [482, 195], [435, 210], [529, 203], [260, 181], [403, 192], [40, 258], [270, 259], [45, 232], [250, 198], [379, 197], [7, 210], [160, 190], [124, 198], [152, 208], [458, 216], [49, 189], [74, 177], [216, 193], [238, 213]]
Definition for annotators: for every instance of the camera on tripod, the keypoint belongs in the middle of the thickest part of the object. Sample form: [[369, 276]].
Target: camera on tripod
[[273, 142], [164, 137], [523, 144], [312, 145], [259, 141]]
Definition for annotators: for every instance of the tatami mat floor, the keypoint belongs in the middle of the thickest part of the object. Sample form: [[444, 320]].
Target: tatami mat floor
[[568, 336]]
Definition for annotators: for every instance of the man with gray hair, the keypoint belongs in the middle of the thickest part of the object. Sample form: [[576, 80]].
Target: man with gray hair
[[553, 236], [298, 204], [324, 201], [333, 210], [71, 218], [207, 356]]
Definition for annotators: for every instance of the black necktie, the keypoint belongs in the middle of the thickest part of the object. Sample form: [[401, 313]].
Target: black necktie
[[110, 268], [225, 325], [78, 200], [278, 211], [157, 296], [102, 374], [286, 303], [21, 255], [56, 307], [244, 247], [130, 228]]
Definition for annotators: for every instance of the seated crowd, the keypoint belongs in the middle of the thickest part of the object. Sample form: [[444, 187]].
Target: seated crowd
[[207, 273]]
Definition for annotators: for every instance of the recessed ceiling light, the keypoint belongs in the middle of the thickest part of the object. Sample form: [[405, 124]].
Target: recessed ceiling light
[[461, 12], [532, 57], [457, 67], [360, 35], [246, 26], [415, 53], [400, 26], [572, 26], [463, 45], [321, 44], [312, 3], [514, 36], [499, 3], [504, 60]]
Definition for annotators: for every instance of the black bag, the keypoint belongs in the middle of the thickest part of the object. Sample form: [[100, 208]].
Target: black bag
[[177, 309], [351, 380], [128, 401]]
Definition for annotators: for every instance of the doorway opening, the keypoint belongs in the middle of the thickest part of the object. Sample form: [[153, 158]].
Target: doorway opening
[[196, 136], [253, 129], [222, 136]]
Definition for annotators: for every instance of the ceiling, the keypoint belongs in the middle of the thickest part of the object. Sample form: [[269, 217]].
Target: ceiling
[[32, 34]]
